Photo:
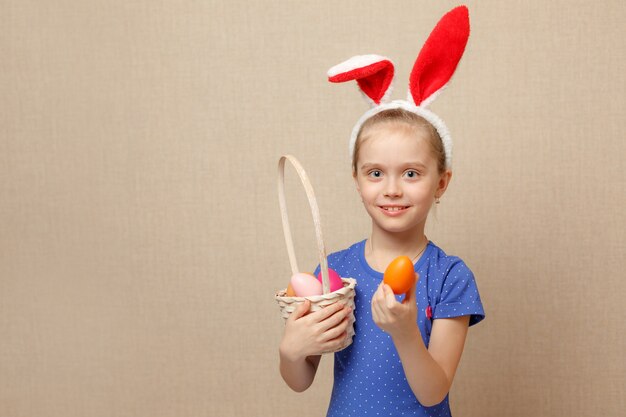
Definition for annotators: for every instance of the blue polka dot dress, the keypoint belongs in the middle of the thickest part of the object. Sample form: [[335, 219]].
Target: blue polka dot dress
[[368, 376]]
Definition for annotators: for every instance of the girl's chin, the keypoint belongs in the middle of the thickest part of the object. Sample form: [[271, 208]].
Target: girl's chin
[[396, 224], [395, 227]]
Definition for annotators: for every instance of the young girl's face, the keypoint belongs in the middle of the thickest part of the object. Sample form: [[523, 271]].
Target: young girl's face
[[397, 177]]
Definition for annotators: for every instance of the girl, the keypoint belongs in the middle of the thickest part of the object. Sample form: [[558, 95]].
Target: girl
[[406, 349]]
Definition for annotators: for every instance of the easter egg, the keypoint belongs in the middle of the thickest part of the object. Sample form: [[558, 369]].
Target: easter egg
[[290, 292], [333, 279], [305, 285], [400, 275]]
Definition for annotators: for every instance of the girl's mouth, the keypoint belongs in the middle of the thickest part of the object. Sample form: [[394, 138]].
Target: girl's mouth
[[393, 210]]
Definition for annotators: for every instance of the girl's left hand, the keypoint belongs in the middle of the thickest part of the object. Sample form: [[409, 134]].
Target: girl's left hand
[[395, 318]]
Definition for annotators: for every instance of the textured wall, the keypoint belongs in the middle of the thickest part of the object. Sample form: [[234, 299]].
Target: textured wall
[[140, 237]]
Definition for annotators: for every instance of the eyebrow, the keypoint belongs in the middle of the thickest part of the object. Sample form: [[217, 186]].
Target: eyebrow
[[370, 165]]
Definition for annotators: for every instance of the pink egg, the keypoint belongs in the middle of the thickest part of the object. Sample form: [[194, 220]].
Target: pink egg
[[333, 279], [305, 285]]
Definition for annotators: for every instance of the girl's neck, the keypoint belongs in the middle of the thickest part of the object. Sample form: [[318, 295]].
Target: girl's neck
[[383, 247]]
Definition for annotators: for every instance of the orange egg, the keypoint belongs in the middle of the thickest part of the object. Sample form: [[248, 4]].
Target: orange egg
[[400, 275]]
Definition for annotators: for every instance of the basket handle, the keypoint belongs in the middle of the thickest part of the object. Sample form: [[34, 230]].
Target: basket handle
[[314, 211]]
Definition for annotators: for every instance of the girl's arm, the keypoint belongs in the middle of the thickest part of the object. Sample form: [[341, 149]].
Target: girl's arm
[[305, 337], [430, 372], [299, 374]]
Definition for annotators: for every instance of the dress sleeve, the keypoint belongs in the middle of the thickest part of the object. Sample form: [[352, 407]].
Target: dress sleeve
[[459, 295]]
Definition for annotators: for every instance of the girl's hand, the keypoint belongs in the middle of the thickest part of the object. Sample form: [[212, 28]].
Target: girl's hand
[[314, 333], [391, 316]]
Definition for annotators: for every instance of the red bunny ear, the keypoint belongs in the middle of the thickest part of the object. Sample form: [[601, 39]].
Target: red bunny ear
[[440, 55], [373, 73]]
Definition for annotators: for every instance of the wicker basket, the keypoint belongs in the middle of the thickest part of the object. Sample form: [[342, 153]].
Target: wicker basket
[[343, 295]]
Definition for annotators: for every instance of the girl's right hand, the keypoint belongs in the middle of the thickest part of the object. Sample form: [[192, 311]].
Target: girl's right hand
[[314, 333]]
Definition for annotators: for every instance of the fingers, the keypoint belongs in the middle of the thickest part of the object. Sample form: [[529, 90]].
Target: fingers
[[300, 311], [379, 309], [337, 331], [321, 315], [332, 326], [335, 343], [312, 333], [379, 294], [336, 337], [334, 320], [385, 306], [389, 297], [410, 296], [377, 312]]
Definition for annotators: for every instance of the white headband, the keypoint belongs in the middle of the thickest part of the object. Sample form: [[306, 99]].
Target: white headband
[[431, 73]]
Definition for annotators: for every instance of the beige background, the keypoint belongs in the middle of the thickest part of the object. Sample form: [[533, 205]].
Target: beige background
[[140, 237]]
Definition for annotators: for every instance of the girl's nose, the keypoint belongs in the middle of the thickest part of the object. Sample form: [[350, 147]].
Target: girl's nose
[[393, 189]]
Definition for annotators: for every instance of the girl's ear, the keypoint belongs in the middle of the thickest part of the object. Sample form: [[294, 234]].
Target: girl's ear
[[444, 181], [373, 74], [356, 182], [439, 56]]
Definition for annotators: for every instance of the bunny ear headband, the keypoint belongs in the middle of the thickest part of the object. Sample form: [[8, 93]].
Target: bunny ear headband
[[431, 72]]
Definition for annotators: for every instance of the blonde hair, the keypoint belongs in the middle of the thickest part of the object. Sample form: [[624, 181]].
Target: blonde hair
[[410, 119]]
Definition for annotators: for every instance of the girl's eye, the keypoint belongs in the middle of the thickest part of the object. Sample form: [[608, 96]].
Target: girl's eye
[[412, 174], [375, 174]]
